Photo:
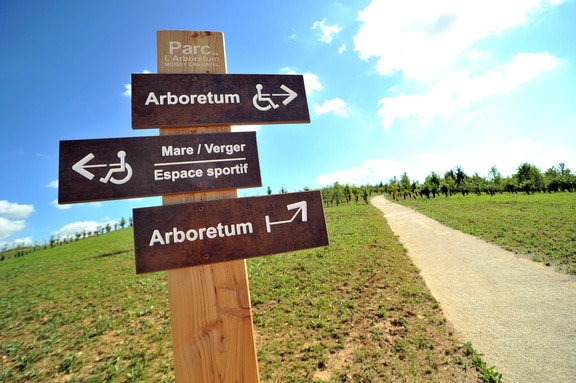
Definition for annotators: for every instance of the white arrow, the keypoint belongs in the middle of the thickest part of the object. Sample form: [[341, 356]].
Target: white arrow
[[291, 94], [302, 207], [80, 166]]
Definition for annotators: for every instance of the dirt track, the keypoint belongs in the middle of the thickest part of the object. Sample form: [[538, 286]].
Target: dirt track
[[520, 314]]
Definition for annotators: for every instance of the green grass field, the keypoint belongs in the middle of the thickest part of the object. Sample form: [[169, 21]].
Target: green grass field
[[357, 311], [541, 225]]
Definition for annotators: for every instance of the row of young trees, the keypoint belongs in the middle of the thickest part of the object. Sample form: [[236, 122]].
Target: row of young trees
[[528, 179], [337, 193], [22, 250], [55, 240]]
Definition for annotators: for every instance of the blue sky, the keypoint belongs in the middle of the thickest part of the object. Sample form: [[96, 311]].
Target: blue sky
[[393, 86]]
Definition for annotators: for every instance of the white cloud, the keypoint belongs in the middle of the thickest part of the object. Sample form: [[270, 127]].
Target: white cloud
[[12, 216], [480, 157], [128, 87], [433, 46], [10, 226], [70, 230], [127, 90], [457, 91], [327, 32], [15, 243], [473, 159], [371, 172], [53, 184], [13, 210], [424, 39], [311, 81], [335, 105], [342, 48], [19, 242]]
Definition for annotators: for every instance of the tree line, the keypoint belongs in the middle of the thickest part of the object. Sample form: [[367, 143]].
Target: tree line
[[100, 229], [527, 179], [337, 193], [22, 249]]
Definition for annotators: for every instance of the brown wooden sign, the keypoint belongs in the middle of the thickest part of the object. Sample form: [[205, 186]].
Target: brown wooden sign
[[115, 168], [174, 100], [175, 236]]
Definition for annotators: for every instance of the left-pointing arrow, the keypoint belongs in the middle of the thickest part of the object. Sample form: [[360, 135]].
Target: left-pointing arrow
[[80, 166]]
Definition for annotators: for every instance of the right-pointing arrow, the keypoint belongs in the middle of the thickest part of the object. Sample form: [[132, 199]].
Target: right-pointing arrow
[[302, 208], [290, 93]]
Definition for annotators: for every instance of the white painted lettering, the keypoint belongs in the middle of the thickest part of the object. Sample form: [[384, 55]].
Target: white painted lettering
[[156, 238], [188, 50], [178, 236], [177, 151], [211, 232], [174, 46], [172, 99], [232, 99], [228, 149], [173, 175], [200, 234], [191, 235], [189, 99], [167, 151], [151, 99], [226, 171]]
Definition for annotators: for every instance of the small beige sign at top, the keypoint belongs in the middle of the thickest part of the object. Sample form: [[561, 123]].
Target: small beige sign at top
[[191, 51]]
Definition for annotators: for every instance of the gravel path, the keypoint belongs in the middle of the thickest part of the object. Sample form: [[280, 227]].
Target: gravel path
[[519, 314]]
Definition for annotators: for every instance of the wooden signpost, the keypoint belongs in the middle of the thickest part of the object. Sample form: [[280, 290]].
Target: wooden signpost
[[203, 233], [210, 309]]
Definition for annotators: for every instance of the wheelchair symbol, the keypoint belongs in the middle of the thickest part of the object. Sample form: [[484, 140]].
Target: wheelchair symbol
[[264, 102], [122, 167], [115, 168]]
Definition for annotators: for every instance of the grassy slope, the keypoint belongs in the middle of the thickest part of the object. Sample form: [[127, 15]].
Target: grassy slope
[[541, 225], [79, 311], [354, 312]]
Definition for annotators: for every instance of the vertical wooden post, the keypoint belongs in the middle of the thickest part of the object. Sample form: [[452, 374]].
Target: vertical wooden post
[[212, 328]]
